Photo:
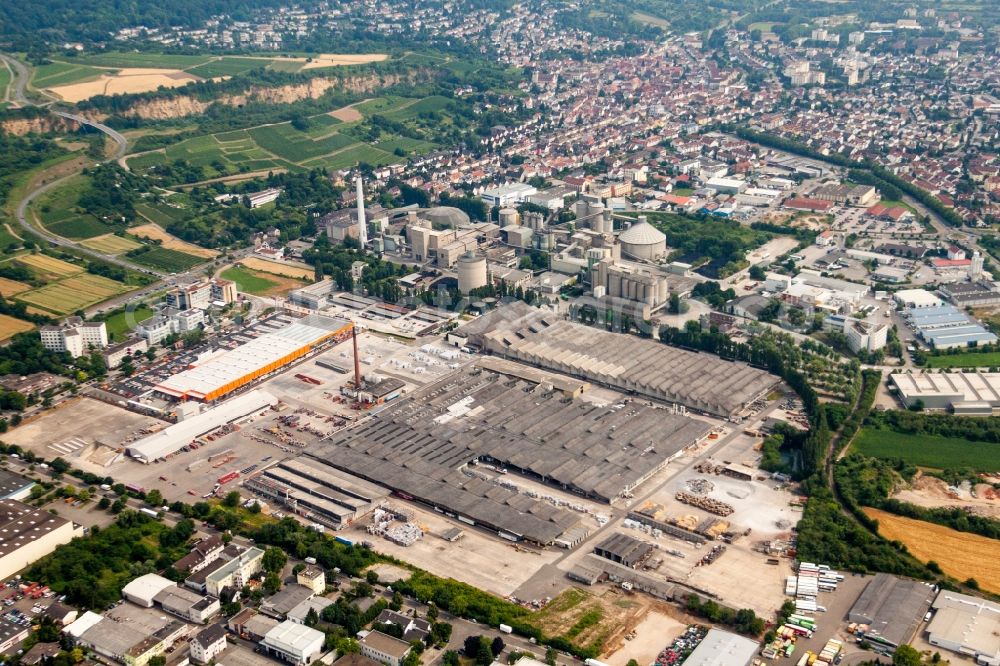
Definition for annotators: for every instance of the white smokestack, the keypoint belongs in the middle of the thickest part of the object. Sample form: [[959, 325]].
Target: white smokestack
[[362, 222]]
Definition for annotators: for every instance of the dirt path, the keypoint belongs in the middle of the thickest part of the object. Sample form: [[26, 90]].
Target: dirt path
[[11, 231]]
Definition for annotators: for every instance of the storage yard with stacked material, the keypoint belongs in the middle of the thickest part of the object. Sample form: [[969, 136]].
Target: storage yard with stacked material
[[700, 382]]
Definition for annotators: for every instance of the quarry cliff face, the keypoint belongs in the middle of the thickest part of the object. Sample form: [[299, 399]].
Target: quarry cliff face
[[186, 105], [40, 125]]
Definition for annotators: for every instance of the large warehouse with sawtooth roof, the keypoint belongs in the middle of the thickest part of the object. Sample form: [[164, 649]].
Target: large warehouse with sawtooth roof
[[698, 381]]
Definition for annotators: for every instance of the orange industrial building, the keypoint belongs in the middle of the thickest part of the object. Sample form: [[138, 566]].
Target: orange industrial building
[[233, 369]]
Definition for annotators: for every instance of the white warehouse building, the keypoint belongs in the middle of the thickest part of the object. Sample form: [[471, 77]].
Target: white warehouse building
[[294, 643]]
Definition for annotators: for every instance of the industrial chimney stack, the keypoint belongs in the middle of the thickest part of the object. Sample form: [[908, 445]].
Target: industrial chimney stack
[[362, 223], [357, 361]]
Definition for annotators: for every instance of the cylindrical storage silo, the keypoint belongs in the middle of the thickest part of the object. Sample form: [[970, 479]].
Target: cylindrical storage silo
[[471, 272], [509, 217]]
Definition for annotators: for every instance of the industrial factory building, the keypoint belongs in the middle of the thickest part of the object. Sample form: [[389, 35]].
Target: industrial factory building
[[698, 381], [424, 448], [892, 608], [173, 438], [967, 393], [945, 327], [237, 367], [29, 534], [317, 491], [624, 550]]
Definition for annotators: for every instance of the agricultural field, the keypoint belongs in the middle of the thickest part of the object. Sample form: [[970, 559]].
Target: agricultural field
[[166, 259], [331, 140], [72, 294], [48, 268], [110, 244], [227, 67], [649, 19], [5, 78], [341, 59], [260, 284], [150, 60], [11, 326], [159, 213], [930, 451], [82, 77], [122, 82], [966, 360], [78, 227], [278, 268], [155, 232], [960, 554], [10, 288], [219, 155], [7, 237], [290, 144], [58, 212], [61, 73]]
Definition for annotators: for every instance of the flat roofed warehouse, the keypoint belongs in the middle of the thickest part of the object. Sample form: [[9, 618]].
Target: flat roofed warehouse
[[698, 381], [172, 438], [27, 534], [892, 608], [943, 390], [721, 648], [237, 367], [419, 446], [967, 625]]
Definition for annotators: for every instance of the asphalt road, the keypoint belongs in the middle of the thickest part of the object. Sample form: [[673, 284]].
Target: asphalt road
[[20, 82], [115, 136]]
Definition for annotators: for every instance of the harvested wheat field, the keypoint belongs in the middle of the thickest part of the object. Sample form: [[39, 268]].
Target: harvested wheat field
[[347, 114], [11, 287], [129, 80], [49, 266], [336, 60], [156, 232], [110, 244], [960, 554], [278, 268], [9, 326]]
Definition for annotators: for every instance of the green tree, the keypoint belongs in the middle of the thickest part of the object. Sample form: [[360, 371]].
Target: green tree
[[154, 498], [232, 499], [274, 560], [906, 655], [272, 583]]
